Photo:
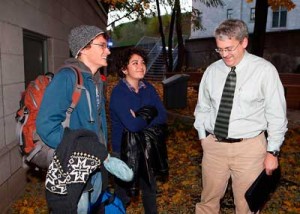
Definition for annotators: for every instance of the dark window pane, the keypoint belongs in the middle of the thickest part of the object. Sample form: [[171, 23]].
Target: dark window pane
[[275, 19], [283, 16], [252, 14]]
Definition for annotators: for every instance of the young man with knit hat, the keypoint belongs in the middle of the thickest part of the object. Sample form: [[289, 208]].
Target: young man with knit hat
[[88, 45]]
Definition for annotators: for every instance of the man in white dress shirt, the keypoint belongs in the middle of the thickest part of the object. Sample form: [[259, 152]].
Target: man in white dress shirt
[[258, 107]]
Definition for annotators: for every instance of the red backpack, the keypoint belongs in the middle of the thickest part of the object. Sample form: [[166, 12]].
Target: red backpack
[[30, 143]]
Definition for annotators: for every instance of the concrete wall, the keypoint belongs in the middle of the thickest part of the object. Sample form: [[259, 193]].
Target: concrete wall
[[52, 19]]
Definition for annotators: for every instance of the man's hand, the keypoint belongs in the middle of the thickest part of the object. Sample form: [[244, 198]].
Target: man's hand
[[271, 163]]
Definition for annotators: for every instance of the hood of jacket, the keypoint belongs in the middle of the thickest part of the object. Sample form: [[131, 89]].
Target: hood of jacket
[[85, 69]]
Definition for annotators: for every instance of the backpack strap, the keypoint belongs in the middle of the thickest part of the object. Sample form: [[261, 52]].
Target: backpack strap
[[76, 93]]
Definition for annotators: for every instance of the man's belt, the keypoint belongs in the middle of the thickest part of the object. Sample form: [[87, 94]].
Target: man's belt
[[225, 140]]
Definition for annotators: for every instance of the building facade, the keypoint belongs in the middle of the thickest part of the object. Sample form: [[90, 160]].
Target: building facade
[[33, 40], [281, 40], [279, 20]]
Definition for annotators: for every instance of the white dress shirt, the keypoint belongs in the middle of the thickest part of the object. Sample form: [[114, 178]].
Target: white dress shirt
[[258, 105]]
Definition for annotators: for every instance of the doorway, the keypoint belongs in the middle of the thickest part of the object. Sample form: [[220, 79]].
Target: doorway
[[35, 55]]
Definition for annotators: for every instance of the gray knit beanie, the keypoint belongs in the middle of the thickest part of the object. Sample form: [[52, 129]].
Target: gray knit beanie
[[82, 35]]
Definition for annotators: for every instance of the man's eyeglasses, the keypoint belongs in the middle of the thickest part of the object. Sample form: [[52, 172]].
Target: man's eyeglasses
[[103, 45], [226, 50]]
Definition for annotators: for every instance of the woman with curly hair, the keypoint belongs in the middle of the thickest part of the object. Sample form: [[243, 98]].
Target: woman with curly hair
[[131, 95]]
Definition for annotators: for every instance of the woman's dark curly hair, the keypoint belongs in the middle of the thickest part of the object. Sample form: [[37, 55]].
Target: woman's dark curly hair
[[124, 57]]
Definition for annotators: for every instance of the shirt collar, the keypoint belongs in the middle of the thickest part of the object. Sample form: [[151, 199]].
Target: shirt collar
[[141, 85], [243, 61]]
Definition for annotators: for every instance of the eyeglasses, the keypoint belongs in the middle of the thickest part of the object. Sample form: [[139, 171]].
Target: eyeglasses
[[227, 50], [103, 45]]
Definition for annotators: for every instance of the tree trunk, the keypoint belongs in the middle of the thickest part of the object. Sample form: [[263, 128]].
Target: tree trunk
[[179, 36], [170, 41], [161, 31], [258, 39]]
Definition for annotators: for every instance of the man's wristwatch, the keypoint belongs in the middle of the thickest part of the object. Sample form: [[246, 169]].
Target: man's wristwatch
[[275, 153]]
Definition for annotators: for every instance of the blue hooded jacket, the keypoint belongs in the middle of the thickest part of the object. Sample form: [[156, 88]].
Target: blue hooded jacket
[[58, 98]]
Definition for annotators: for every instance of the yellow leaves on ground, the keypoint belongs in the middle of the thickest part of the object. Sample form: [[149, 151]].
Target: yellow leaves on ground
[[33, 203]]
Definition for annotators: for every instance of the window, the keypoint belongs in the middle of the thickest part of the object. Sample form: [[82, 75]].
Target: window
[[229, 13], [279, 17], [35, 55], [252, 14]]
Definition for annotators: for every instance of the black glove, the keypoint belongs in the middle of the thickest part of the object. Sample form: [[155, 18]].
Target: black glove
[[148, 113]]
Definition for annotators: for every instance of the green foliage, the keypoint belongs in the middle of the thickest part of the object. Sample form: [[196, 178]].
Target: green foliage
[[130, 33]]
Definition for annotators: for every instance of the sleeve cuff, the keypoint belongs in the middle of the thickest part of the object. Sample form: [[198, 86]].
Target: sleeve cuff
[[201, 134], [273, 147]]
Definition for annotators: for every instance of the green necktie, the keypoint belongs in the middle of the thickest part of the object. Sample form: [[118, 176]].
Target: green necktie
[[223, 116]]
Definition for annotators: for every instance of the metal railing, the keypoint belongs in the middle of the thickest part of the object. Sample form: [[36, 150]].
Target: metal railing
[[156, 65], [147, 42]]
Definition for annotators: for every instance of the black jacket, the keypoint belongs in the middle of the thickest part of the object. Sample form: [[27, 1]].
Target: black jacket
[[145, 152], [78, 155]]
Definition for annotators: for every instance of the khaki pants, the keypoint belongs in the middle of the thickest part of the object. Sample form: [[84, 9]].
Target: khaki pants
[[242, 161]]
